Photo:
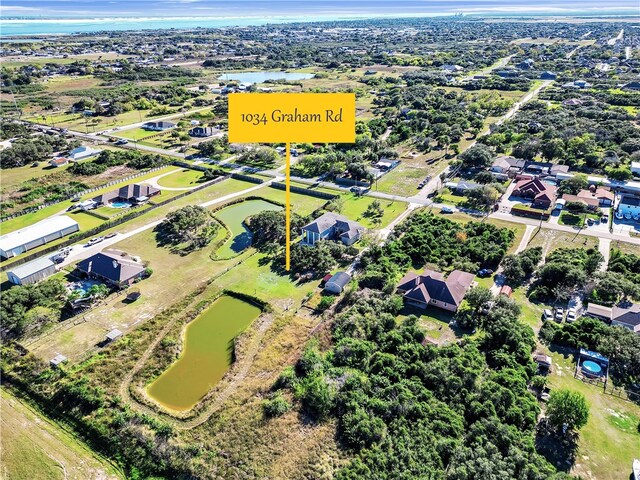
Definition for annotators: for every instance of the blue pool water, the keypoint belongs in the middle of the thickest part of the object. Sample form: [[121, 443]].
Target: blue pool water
[[591, 368], [120, 204], [261, 77]]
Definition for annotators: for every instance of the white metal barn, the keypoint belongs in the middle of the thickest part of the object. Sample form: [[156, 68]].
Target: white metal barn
[[33, 236], [32, 272]]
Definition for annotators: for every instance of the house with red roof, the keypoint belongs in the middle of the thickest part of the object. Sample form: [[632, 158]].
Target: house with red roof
[[542, 194]]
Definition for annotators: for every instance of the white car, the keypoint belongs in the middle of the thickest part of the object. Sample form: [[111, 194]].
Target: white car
[[93, 241], [547, 315], [572, 315]]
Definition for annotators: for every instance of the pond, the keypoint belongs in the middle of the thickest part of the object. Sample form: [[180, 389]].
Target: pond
[[206, 356], [261, 77], [233, 217]]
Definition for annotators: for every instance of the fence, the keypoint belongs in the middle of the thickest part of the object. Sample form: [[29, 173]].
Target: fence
[[101, 228], [200, 168], [246, 178], [80, 194], [304, 191]]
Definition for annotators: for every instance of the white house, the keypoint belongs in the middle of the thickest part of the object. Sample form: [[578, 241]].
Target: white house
[[635, 168], [628, 207], [83, 152]]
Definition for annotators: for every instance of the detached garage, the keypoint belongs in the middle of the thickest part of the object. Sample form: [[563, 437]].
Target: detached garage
[[38, 234], [32, 272]]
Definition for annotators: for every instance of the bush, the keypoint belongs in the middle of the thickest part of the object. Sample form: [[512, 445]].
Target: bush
[[325, 303], [275, 406]]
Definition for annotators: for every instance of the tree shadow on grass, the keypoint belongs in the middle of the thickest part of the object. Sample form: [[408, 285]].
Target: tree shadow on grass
[[559, 449]]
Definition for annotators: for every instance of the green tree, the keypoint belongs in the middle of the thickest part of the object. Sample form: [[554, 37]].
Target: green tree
[[567, 410], [478, 156]]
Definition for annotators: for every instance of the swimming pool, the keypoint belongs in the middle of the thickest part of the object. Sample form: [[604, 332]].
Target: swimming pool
[[119, 204]]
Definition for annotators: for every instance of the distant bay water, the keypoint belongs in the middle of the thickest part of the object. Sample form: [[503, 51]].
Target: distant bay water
[[66, 26], [36, 26]]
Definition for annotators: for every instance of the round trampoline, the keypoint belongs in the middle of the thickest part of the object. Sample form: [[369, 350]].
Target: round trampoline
[[591, 369]]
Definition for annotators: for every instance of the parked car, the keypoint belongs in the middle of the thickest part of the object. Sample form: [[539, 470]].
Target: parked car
[[122, 141], [111, 235], [72, 207], [420, 185], [559, 314], [572, 315], [75, 199], [590, 221], [605, 219], [547, 315], [34, 164], [93, 241], [485, 272], [446, 210]]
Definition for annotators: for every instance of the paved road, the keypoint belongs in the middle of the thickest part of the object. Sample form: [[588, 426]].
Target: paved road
[[623, 237]]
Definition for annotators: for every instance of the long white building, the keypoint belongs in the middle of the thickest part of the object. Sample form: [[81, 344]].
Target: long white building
[[35, 235]]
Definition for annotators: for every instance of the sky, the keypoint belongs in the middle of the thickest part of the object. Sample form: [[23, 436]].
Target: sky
[[257, 8]]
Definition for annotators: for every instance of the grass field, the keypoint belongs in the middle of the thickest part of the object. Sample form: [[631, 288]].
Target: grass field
[[183, 178], [355, 206], [35, 448], [550, 240]]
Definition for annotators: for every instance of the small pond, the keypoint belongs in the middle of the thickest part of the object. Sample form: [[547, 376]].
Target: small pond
[[206, 355], [261, 77], [233, 217]]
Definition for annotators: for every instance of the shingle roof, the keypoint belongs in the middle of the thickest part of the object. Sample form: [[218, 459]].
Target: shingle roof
[[432, 285], [629, 316], [113, 265], [327, 220]]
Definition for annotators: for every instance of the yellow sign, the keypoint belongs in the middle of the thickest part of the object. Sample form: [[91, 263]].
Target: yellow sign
[[292, 117]]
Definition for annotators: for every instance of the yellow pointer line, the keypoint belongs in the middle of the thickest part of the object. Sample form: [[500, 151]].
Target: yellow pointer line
[[288, 209]]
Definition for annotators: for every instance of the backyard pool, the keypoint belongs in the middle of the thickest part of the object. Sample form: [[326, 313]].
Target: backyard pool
[[233, 217], [261, 77], [206, 356], [119, 204], [81, 286]]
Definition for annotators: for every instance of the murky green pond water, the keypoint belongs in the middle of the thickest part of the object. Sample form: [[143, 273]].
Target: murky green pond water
[[206, 356], [233, 216]]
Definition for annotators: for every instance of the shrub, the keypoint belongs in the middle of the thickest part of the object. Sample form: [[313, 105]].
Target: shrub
[[276, 406]]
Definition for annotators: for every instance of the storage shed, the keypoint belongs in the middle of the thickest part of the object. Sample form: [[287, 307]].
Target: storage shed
[[32, 272], [337, 283], [113, 335], [35, 235], [57, 360]]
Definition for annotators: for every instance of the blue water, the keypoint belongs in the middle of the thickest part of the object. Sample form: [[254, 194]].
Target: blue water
[[260, 77], [120, 204]]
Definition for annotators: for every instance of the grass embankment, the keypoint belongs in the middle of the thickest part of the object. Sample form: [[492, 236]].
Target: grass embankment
[[36, 448]]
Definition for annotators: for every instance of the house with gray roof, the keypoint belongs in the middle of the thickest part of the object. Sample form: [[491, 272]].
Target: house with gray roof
[[159, 126], [507, 165], [331, 226], [431, 289], [133, 193], [112, 267]]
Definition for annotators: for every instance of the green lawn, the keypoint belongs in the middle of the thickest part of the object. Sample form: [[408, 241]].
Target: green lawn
[[300, 204], [183, 178], [135, 133], [261, 281], [355, 206]]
